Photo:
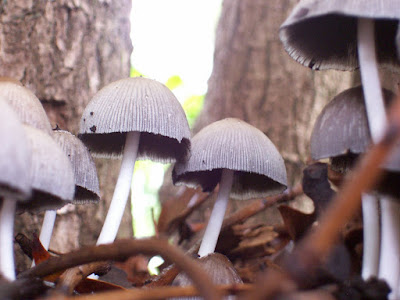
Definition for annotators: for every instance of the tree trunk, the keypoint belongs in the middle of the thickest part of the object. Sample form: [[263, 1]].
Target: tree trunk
[[65, 51]]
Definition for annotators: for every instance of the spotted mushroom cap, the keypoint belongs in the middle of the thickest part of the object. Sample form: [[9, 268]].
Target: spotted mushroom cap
[[86, 180], [322, 34], [15, 156], [136, 104], [52, 176], [236, 145], [25, 104]]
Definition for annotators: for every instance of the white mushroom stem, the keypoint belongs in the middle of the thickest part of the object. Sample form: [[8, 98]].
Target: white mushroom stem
[[213, 229], [7, 212], [377, 121], [371, 229], [122, 189], [389, 264], [47, 228]]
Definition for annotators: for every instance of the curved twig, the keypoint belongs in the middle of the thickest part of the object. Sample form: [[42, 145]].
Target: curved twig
[[120, 251]]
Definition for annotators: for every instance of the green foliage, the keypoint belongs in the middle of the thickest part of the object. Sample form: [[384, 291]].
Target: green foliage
[[192, 107], [135, 73], [173, 82]]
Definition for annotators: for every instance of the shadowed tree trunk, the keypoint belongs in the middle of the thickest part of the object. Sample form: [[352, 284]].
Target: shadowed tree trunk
[[65, 51]]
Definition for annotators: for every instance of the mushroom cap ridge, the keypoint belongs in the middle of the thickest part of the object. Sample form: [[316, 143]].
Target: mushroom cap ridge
[[236, 145], [323, 34], [136, 104]]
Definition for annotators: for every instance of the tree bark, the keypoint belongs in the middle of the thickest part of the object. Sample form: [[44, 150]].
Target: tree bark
[[65, 51]]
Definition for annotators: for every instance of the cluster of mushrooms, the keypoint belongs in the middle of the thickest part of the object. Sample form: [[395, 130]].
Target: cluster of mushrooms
[[347, 35], [140, 118]]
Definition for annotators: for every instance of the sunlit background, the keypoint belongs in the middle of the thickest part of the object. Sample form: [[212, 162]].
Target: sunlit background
[[173, 42]]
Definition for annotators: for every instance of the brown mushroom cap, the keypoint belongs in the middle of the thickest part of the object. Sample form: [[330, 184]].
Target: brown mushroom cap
[[86, 180], [218, 267], [25, 104], [233, 144], [52, 175], [322, 34], [15, 156], [136, 104]]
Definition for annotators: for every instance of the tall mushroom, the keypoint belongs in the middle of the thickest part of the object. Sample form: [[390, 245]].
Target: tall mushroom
[[345, 35], [15, 182], [86, 181], [238, 157], [140, 118]]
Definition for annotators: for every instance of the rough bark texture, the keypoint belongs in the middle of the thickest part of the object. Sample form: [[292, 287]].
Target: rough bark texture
[[65, 51]]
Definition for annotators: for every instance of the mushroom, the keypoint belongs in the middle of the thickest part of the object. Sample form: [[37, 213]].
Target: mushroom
[[141, 118], [86, 181], [341, 133], [239, 157], [15, 182], [218, 267], [25, 104], [341, 35], [53, 183]]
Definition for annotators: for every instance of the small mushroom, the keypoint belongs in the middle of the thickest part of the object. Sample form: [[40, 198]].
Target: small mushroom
[[15, 182], [218, 267], [141, 118], [239, 157], [25, 104], [53, 183], [86, 181]]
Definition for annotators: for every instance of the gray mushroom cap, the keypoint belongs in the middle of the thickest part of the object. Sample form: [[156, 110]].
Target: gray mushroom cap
[[15, 156], [52, 176], [218, 267], [86, 180], [136, 104], [233, 144], [322, 34], [25, 104]]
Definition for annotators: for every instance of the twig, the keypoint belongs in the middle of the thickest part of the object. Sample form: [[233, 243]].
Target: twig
[[316, 245], [120, 251], [158, 293], [260, 205]]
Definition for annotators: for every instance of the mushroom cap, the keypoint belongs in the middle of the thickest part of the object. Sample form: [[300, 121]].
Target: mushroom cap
[[218, 267], [136, 104], [15, 156], [233, 144], [86, 180], [342, 126], [322, 34], [52, 176], [25, 104]]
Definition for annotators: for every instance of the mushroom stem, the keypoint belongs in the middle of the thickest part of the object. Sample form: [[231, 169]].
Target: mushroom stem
[[7, 212], [376, 117], [122, 188], [389, 267], [213, 229], [371, 236], [47, 228]]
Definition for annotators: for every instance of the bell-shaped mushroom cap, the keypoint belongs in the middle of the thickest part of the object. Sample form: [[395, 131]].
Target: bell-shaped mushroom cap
[[53, 180], [86, 180], [15, 156], [342, 126], [25, 104], [233, 144], [322, 34], [136, 104], [218, 267]]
